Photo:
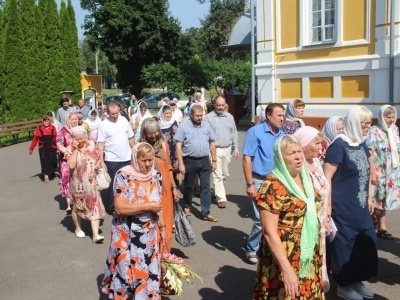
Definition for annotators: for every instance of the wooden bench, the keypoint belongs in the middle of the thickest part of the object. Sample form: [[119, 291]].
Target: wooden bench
[[15, 129]]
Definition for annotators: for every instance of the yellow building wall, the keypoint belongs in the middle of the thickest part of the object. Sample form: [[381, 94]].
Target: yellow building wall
[[354, 24], [290, 12], [312, 53], [321, 87], [291, 88], [355, 86], [93, 81]]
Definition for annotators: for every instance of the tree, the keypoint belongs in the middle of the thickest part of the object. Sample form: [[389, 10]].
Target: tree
[[132, 34], [15, 104], [73, 69], [54, 51], [31, 81], [217, 25], [164, 75]]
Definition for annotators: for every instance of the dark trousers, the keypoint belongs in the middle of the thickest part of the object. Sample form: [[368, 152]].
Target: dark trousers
[[112, 168], [201, 167]]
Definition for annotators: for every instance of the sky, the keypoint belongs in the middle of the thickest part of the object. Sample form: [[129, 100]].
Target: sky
[[188, 12]]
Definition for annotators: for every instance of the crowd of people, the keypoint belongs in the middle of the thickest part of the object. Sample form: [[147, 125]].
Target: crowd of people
[[320, 197]]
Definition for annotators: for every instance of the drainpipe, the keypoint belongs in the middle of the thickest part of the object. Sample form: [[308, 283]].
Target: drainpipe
[[391, 52], [253, 83]]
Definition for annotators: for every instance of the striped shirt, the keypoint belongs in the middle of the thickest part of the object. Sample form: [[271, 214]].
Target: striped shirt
[[195, 140], [225, 129]]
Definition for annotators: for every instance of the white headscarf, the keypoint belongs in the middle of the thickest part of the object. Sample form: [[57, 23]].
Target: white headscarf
[[392, 143], [93, 124], [146, 115], [329, 130], [291, 114], [352, 128], [164, 123]]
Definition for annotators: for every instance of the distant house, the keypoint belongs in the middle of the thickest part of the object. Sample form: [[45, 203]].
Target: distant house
[[330, 53]]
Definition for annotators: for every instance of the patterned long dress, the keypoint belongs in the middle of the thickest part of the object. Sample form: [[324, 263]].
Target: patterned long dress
[[64, 138], [290, 127], [86, 199], [168, 134], [322, 185], [274, 197], [133, 262], [386, 192]]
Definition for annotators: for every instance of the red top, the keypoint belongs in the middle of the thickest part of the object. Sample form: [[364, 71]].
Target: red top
[[37, 138], [322, 152]]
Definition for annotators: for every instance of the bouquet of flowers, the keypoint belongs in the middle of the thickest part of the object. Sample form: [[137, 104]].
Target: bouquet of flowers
[[173, 270]]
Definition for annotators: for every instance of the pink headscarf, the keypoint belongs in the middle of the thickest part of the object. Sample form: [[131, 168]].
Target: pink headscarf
[[78, 130], [133, 168], [305, 135]]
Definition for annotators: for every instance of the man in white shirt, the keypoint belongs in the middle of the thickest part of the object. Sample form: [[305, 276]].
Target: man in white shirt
[[115, 140]]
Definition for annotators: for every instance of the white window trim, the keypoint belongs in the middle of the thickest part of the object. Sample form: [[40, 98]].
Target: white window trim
[[305, 30]]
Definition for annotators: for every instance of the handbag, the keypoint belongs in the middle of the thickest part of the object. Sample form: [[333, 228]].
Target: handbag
[[103, 179], [184, 233]]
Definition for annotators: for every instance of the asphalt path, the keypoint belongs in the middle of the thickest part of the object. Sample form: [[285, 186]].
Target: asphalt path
[[41, 258]]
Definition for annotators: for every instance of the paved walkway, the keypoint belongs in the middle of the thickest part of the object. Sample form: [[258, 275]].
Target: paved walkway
[[40, 257]]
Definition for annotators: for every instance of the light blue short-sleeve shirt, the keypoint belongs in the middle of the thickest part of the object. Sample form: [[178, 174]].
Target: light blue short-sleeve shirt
[[259, 144], [195, 139]]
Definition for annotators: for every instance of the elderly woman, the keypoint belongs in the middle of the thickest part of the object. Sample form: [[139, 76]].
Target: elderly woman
[[290, 257], [310, 140], [384, 144], [64, 139], [133, 263], [332, 127], [136, 119], [347, 169], [151, 133], [46, 136], [169, 126], [86, 200], [92, 124], [293, 114]]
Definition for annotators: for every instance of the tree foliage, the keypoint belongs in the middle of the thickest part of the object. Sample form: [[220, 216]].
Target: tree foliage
[[217, 26], [133, 34], [14, 102], [163, 75]]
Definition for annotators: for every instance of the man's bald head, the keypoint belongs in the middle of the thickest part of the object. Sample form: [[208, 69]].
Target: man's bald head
[[219, 105]]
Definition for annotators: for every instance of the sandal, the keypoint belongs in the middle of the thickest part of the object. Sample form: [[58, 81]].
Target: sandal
[[210, 218], [385, 235]]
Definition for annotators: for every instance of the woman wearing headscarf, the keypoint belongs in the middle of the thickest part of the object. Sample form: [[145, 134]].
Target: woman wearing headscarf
[[290, 257], [293, 114], [384, 144], [136, 120], [310, 140], [46, 136], [332, 127], [93, 122], [151, 133], [86, 200], [133, 263], [64, 139], [53, 120], [169, 127], [347, 166]]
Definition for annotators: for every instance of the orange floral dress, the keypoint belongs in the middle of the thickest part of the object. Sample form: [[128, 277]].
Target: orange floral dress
[[133, 261], [274, 197]]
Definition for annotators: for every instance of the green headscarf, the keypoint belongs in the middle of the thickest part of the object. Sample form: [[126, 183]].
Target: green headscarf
[[310, 230]]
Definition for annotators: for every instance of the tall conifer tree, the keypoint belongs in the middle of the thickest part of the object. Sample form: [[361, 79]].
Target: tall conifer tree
[[14, 102], [32, 82], [52, 42], [64, 33], [1, 50], [74, 69]]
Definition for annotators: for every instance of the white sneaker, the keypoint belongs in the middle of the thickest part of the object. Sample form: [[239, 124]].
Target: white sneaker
[[251, 257], [360, 288], [80, 234], [348, 293], [98, 239]]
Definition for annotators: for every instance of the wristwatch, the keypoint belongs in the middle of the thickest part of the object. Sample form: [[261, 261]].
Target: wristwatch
[[214, 160], [249, 184]]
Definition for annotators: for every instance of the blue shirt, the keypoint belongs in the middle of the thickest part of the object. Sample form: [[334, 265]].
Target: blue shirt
[[195, 140], [259, 144]]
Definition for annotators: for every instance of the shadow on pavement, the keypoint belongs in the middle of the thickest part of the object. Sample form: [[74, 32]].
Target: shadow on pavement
[[234, 283], [243, 203], [62, 203], [331, 295], [226, 239], [390, 246], [388, 273]]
